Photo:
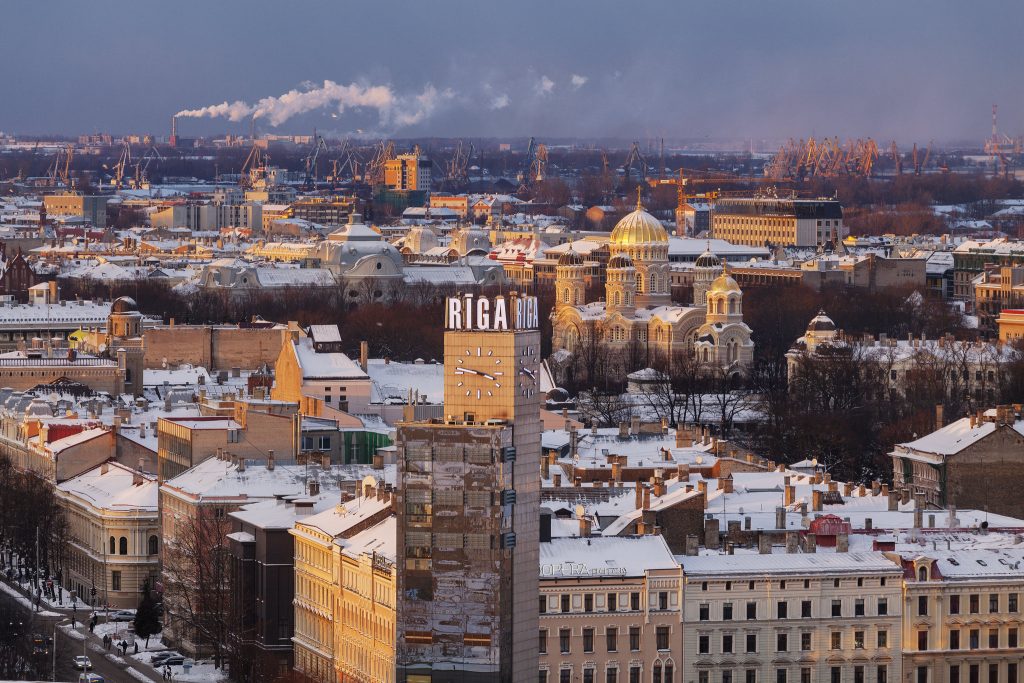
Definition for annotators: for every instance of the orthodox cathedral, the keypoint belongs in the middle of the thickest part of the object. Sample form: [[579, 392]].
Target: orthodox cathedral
[[637, 306]]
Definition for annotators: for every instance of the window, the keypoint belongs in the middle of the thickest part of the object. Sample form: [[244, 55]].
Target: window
[[805, 609], [954, 639], [751, 610], [922, 605], [858, 640], [661, 636], [883, 607], [805, 675], [705, 612], [783, 609], [974, 673], [805, 641], [993, 673], [663, 600], [611, 636], [974, 604], [588, 603], [704, 644], [1011, 603], [750, 676], [858, 674], [588, 675], [781, 642], [993, 638], [656, 673], [588, 640], [542, 641], [954, 604], [113, 545], [883, 639], [726, 643], [123, 545], [882, 674], [780, 676], [154, 545], [543, 604], [837, 640], [634, 601], [974, 638], [115, 581], [993, 603], [751, 642], [634, 638], [703, 676], [1011, 637], [837, 608], [543, 678], [565, 676], [727, 676], [634, 674], [563, 641], [922, 639], [727, 611], [613, 602], [836, 674], [565, 603], [611, 675], [668, 673], [858, 607], [1011, 672]]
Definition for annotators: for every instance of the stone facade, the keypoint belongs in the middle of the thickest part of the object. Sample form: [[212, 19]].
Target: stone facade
[[212, 347]]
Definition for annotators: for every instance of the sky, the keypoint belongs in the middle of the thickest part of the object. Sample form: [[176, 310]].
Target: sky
[[910, 70]]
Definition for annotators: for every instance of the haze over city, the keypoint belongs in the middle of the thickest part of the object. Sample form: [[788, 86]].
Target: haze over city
[[907, 70]]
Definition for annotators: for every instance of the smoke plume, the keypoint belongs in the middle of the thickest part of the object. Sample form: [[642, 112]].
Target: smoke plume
[[392, 109]]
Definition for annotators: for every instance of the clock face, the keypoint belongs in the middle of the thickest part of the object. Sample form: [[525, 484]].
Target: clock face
[[527, 371], [479, 373]]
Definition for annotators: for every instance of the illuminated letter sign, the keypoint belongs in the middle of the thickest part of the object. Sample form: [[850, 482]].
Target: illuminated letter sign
[[487, 315]]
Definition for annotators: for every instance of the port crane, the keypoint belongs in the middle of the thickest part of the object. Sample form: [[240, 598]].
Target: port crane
[[59, 173], [309, 180]]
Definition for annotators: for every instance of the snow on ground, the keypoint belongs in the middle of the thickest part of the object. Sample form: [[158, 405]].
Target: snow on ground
[[70, 632], [203, 671], [138, 675], [23, 601]]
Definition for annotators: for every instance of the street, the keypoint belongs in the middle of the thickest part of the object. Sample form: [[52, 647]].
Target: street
[[18, 623]]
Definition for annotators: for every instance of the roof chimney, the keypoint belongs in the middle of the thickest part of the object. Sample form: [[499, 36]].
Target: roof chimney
[[270, 460]]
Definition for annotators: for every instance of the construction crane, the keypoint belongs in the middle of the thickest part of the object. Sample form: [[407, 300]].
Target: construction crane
[[924, 161], [121, 166], [524, 178], [254, 170], [897, 159], [635, 158], [383, 153], [539, 167], [346, 162], [140, 179], [309, 180], [457, 168], [59, 173], [826, 158], [1001, 147]]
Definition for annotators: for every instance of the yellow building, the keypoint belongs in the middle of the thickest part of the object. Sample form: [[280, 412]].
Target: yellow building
[[345, 590], [90, 207], [408, 172], [1011, 325]]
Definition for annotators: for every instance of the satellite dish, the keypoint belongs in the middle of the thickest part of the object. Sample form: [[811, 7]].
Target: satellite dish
[[698, 460], [102, 348]]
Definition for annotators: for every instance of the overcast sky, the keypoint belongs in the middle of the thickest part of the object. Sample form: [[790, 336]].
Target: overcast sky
[[906, 69]]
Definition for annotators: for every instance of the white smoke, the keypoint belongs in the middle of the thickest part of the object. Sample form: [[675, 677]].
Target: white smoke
[[501, 101], [578, 81], [392, 109], [234, 111], [545, 86]]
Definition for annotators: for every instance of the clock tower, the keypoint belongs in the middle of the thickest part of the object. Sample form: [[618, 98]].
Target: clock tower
[[468, 504]]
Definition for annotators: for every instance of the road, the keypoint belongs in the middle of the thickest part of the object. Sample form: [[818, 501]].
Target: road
[[67, 648]]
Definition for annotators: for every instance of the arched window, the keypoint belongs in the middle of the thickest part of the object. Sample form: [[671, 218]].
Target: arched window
[[922, 574], [153, 545], [639, 282], [124, 546], [615, 299], [732, 305], [565, 295], [577, 298], [656, 677], [654, 282], [113, 545], [718, 305], [705, 355]]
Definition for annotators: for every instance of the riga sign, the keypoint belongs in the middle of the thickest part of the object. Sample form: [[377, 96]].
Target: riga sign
[[470, 312]]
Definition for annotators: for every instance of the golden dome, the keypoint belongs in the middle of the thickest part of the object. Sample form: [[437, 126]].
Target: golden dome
[[639, 227], [724, 283]]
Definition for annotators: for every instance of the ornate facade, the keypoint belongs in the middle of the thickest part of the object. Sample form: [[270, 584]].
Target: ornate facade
[[637, 308]]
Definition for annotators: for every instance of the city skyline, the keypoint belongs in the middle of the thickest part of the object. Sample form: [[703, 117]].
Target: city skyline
[[913, 72]]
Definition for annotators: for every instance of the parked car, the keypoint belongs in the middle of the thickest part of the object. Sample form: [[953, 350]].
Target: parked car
[[82, 662], [122, 615], [175, 660], [160, 658]]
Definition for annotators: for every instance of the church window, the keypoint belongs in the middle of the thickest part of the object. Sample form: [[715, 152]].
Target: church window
[[705, 355], [615, 299], [639, 282], [565, 295], [654, 282], [732, 305]]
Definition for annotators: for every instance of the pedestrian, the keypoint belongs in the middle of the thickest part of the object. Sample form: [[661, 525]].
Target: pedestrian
[[136, 646]]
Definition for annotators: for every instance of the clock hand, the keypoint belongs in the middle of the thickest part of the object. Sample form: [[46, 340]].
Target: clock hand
[[465, 371]]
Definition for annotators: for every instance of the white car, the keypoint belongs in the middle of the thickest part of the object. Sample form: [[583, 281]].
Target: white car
[[82, 662]]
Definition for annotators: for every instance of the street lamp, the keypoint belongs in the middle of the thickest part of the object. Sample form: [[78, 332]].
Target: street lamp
[[53, 646]]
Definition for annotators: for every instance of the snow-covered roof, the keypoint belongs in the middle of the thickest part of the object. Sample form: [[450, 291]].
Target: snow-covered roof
[[76, 439], [380, 539], [329, 365], [597, 557], [112, 486], [953, 438], [392, 381], [800, 564]]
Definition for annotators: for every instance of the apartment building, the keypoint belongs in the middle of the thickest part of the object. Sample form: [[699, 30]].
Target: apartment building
[[964, 615], [610, 610], [792, 618], [759, 221]]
